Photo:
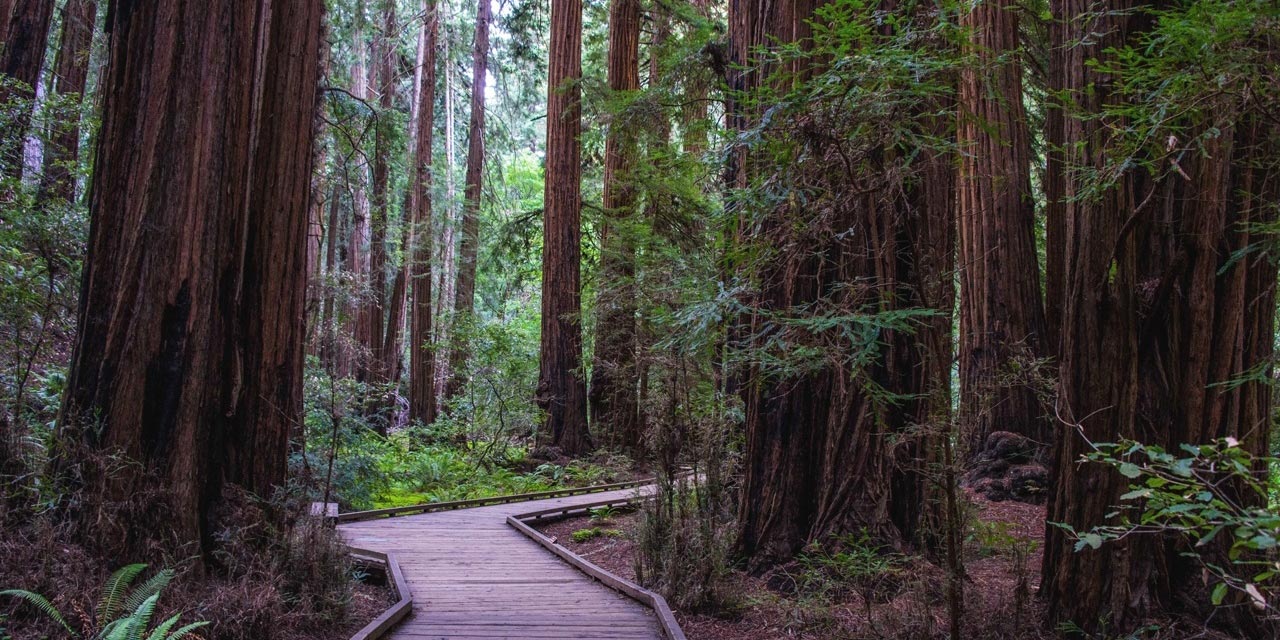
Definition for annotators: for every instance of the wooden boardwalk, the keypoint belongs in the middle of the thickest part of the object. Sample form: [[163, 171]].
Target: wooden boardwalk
[[473, 577]]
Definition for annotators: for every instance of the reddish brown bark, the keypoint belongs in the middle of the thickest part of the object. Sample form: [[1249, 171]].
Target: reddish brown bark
[[1002, 324], [561, 392], [189, 355], [422, 397], [21, 60], [378, 368], [465, 289], [818, 459], [614, 401], [1156, 313], [70, 71]]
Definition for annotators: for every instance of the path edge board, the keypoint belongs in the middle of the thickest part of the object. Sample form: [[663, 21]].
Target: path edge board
[[666, 619], [383, 624]]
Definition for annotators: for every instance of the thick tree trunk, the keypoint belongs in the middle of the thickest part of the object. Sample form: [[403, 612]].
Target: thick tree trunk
[[446, 278], [561, 392], [70, 71], [819, 458], [21, 60], [189, 355], [1158, 311], [1001, 318], [614, 401], [465, 290], [422, 378]]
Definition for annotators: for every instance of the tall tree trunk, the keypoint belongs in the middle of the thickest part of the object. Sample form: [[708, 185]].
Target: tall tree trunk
[[379, 367], [422, 379], [818, 460], [71, 70], [1001, 318], [357, 262], [561, 393], [465, 290], [21, 60], [1162, 304], [189, 355], [614, 408], [445, 264]]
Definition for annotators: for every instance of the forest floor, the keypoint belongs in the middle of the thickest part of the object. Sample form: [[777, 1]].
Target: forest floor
[[1002, 549]]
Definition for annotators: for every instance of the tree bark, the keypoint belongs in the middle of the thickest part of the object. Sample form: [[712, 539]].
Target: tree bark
[[468, 248], [1001, 318], [379, 366], [71, 70], [561, 392], [819, 458], [1157, 313], [614, 401], [422, 397], [21, 60], [189, 355]]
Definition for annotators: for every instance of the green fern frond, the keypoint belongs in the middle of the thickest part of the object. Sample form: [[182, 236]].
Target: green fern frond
[[162, 632], [114, 591], [41, 603], [151, 587], [141, 617], [184, 631]]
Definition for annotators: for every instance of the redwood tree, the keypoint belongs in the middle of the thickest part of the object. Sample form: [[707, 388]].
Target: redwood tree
[[614, 408], [422, 397], [561, 393], [1166, 300], [847, 347], [1001, 317], [70, 71], [465, 289], [189, 354], [378, 366], [20, 61]]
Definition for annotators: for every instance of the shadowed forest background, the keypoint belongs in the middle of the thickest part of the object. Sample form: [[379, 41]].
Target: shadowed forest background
[[929, 319]]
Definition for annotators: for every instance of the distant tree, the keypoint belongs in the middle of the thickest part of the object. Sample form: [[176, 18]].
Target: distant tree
[[422, 362], [21, 58], [189, 355], [614, 374], [1001, 314], [70, 72], [561, 392], [468, 248]]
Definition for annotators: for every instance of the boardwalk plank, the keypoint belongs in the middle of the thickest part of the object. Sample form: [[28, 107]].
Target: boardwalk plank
[[473, 577]]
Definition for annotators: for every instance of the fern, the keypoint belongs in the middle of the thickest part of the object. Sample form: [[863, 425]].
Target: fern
[[114, 591], [147, 589], [141, 618], [184, 631], [42, 603]]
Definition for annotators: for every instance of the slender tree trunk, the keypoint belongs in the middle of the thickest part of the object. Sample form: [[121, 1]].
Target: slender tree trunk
[[71, 70], [1001, 318], [561, 392], [331, 356], [445, 264], [379, 367], [422, 379], [358, 257], [614, 408], [465, 291], [21, 60], [189, 355], [1158, 312]]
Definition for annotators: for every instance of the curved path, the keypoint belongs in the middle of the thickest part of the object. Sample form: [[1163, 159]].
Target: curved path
[[473, 576]]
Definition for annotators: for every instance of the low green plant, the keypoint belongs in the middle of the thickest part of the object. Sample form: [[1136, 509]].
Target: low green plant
[[1205, 494], [604, 514], [583, 535], [122, 613]]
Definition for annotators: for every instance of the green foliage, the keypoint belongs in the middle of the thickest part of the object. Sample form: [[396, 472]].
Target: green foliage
[[1215, 496], [121, 614], [602, 515]]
